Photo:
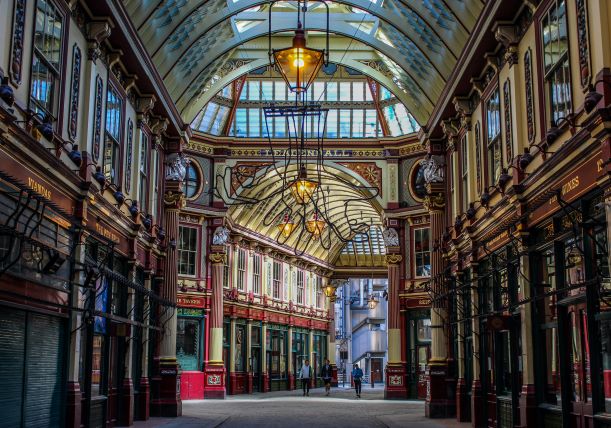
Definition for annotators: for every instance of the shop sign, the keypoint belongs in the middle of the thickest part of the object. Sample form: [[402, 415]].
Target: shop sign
[[167, 372], [573, 185], [189, 312], [190, 301], [418, 302]]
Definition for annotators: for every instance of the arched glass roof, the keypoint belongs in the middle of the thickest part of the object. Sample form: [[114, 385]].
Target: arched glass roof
[[357, 108], [201, 46]]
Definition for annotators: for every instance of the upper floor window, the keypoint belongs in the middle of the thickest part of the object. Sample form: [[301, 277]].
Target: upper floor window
[[493, 125], [464, 171], [256, 274], [319, 295], [155, 180], [556, 61], [112, 143], [144, 168], [276, 278], [422, 252], [46, 59], [187, 251], [226, 270], [241, 279], [192, 181], [300, 287]]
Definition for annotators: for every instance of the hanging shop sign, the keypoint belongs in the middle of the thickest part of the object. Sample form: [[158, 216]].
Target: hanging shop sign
[[571, 186]]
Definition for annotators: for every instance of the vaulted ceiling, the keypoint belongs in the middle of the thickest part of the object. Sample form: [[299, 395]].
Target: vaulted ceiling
[[410, 46]]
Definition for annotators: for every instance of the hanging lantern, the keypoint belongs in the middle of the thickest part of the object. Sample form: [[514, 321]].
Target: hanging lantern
[[315, 226], [286, 225], [372, 302], [298, 64], [303, 188]]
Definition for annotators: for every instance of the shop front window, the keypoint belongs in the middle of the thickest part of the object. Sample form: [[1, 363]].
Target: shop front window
[[424, 329], [240, 348], [188, 339]]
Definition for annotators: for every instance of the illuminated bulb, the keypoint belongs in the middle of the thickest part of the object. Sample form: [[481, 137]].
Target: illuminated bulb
[[298, 63]]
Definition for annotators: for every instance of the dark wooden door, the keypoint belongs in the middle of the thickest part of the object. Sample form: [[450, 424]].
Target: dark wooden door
[[376, 369]]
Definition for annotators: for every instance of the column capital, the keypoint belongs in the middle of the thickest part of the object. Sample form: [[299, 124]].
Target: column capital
[[218, 258]]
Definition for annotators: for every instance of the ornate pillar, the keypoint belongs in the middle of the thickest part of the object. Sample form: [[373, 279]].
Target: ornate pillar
[[249, 367], [395, 373], [292, 382], [214, 385], [144, 398], [440, 397], [331, 339], [461, 396], [478, 401], [233, 380], [166, 386], [264, 374]]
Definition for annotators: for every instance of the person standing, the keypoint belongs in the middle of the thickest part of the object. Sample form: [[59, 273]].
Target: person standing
[[326, 373], [357, 376], [305, 374]]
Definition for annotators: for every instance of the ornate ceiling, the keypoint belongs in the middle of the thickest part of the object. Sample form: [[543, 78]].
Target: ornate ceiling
[[410, 46]]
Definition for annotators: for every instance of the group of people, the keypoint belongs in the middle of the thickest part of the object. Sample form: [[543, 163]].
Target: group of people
[[326, 373]]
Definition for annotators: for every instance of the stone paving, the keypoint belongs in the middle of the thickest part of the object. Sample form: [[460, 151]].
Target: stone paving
[[291, 409]]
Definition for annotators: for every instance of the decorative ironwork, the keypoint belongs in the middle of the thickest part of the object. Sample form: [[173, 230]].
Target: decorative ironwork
[[130, 143], [97, 117], [508, 133], [75, 91], [530, 108], [18, 38], [478, 158], [584, 47]]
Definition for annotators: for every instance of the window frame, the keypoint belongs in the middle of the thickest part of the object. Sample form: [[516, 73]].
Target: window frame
[[493, 142], [241, 269], [256, 273], [180, 250], [276, 279], [58, 89], [300, 297], [547, 92], [144, 175], [416, 253], [464, 172], [113, 86]]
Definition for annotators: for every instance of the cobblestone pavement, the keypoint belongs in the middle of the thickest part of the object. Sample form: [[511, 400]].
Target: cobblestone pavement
[[291, 409]]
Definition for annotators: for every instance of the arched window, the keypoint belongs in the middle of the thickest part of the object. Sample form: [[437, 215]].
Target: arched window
[[192, 181]]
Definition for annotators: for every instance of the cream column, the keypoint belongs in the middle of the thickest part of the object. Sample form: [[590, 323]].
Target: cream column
[[248, 354], [232, 346], [290, 353]]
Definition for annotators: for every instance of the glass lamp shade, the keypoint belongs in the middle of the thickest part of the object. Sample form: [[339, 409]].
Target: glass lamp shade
[[286, 226], [329, 291], [372, 303], [298, 64], [303, 188], [315, 226]]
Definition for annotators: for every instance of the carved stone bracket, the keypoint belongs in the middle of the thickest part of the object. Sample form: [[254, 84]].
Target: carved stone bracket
[[218, 258], [144, 104], [509, 35], [174, 199], [97, 32], [464, 108]]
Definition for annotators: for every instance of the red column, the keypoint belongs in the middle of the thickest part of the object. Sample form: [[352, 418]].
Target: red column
[[214, 384], [165, 385], [395, 373]]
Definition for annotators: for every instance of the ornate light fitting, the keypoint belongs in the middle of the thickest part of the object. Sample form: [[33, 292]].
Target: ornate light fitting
[[372, 302], [316, 226], [298, 64], [303, 188], [286, 225]]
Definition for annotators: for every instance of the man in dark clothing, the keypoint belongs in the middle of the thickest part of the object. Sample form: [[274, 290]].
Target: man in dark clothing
[[357, 376], [326, 373], [305, 374]]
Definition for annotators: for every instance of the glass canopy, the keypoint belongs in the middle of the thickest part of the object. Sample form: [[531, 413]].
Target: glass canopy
[[352, 110]]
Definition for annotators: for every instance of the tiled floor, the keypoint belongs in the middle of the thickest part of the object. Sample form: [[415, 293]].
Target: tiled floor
[[290, 409]]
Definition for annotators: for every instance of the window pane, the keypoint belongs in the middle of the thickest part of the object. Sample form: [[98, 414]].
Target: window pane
[[332, 124], [344, 91], [188, 343], [48, 32], [357, 123], [240, 122], [43, 87], [358, 91], [254, 123], [279, 91], [332, 91], [254, 90], [344, 123], [371, 122]]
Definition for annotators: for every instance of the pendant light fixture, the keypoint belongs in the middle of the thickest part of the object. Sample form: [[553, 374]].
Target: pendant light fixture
[[298, 64], [316, 226], [286, 225], [303, 188]]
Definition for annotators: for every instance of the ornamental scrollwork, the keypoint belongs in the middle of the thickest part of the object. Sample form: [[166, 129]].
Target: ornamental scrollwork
[[218, 258], [434, 202], [174, 199], [393, 259]]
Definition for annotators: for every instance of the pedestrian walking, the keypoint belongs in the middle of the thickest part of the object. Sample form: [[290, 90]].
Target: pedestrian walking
[[326, 373], [305, 374], [357, 376]]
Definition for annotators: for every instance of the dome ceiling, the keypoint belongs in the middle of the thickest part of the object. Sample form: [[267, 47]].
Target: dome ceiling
[[411, 47]]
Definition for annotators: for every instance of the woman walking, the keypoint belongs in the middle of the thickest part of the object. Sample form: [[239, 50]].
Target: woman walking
[[357, 376]]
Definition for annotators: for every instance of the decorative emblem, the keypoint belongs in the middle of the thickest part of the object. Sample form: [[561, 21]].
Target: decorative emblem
[[75, 91], [176, 167], [217, 258], [18, 35], [507, 108], [221, 236], [530, 118], [174, 200], [214, 379], [391, 237], [130, 142], [97, 117], [395, 380]]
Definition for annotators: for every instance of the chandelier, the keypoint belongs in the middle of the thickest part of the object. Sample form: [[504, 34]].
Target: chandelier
[[291, 188]]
